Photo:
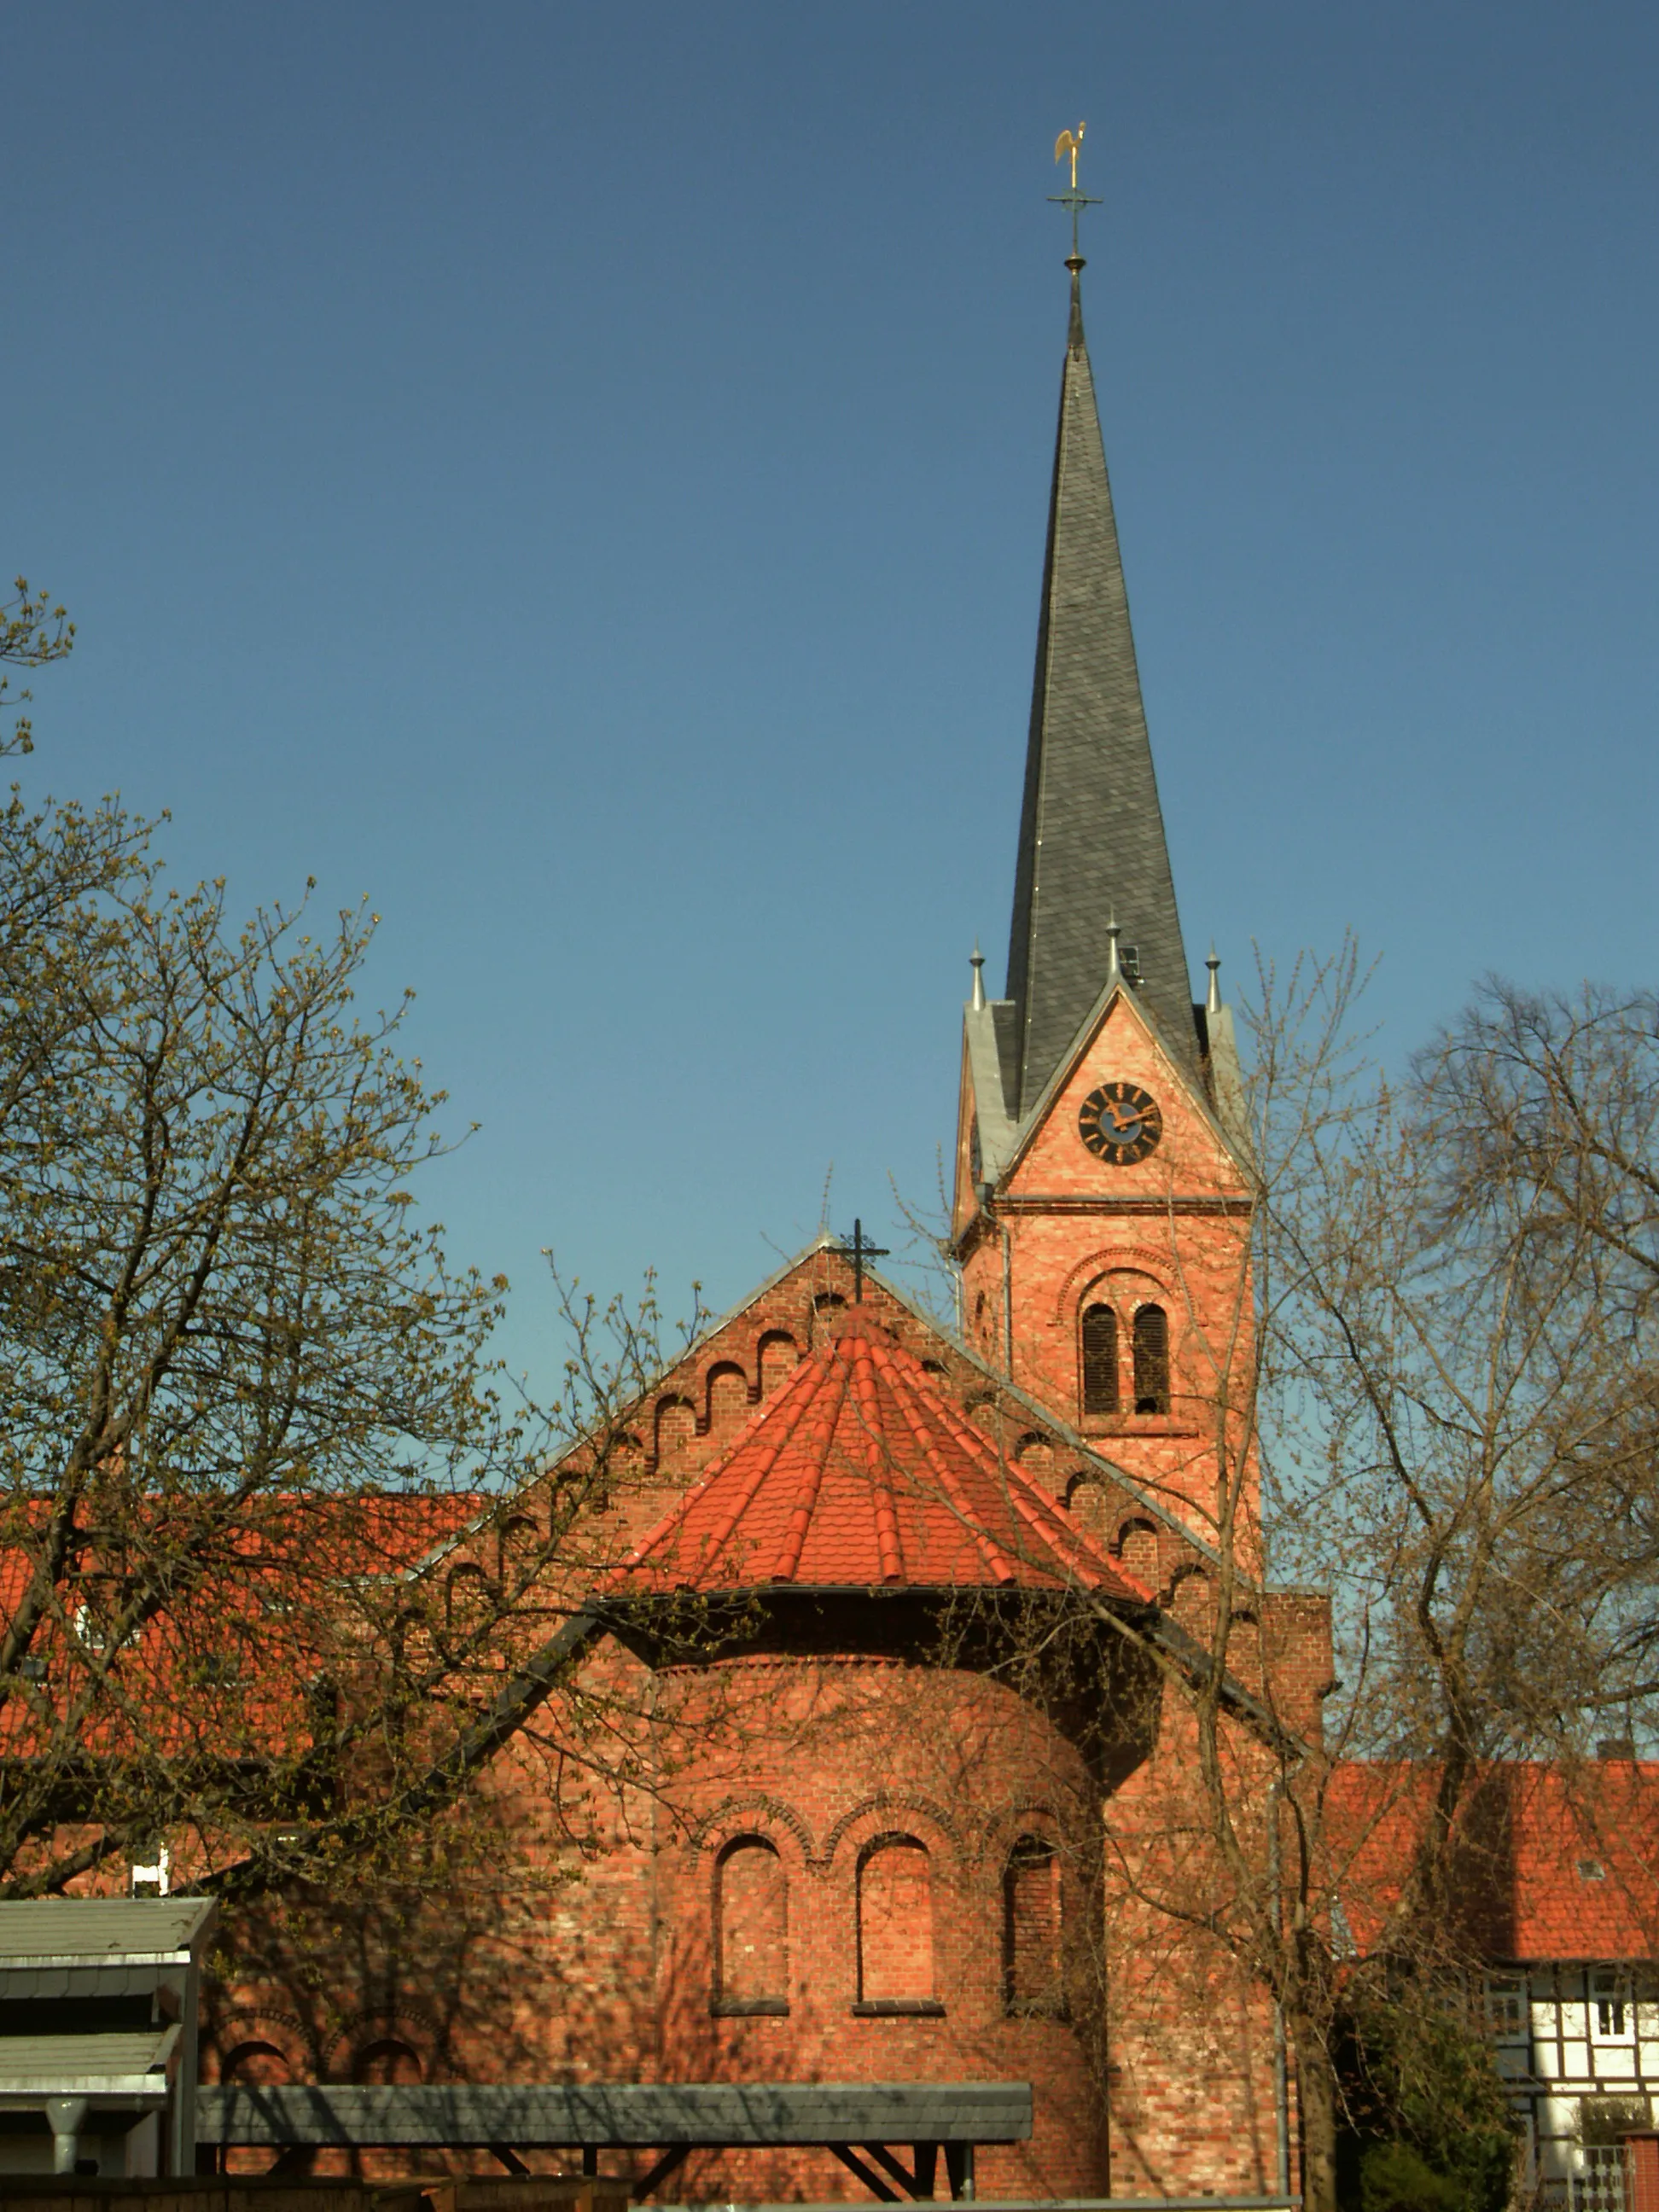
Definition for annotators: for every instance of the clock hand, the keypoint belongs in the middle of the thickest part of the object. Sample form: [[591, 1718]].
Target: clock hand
[[1124, 1117]]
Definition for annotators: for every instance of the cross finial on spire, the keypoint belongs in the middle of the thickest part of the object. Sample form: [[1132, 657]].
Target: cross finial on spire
[[1071, 142]]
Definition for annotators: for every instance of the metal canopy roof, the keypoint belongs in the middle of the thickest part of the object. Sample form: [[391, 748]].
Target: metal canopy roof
[[628, 2116], [123, 2067], [75, 1930]]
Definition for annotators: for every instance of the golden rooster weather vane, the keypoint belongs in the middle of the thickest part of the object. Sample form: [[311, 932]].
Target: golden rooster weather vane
[[1071, 142]]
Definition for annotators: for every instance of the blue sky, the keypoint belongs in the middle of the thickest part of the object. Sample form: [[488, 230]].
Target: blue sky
[[577, 475]]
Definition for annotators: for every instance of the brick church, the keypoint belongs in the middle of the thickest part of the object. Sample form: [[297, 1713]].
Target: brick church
[[874, 1854]]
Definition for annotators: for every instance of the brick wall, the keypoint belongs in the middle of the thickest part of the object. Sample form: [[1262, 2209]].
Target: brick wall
[[872, 1865]]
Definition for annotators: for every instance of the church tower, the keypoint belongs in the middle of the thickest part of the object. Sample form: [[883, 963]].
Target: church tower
[[1101, 1209]]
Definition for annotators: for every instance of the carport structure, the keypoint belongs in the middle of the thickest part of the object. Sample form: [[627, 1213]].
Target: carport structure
[[866, 2125]]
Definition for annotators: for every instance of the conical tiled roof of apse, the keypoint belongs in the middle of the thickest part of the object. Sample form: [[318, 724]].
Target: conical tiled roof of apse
[[1092, 842], [859, 1476]]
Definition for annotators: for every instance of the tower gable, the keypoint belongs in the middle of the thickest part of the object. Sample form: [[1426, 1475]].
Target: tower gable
[[1120, 1043], [1115, 1284]]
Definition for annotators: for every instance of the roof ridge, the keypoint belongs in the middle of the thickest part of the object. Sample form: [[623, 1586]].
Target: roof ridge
[[806, 1496], [1019, 1488], [715, 1539], [890, 1546], [999, 1565], [1034, 1506], [660, 1526]]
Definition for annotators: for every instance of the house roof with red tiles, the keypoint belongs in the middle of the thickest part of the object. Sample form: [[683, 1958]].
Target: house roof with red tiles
[[1550, 1862], [859, 1475], [266, 1615]]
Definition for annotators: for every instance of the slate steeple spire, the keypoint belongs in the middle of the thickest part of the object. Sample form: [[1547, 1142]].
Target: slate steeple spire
[[1092, 843]]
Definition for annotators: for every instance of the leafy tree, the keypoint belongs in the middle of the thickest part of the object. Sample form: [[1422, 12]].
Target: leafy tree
[[273, 1593], [33, 633], [1427, 2119], [1446, 1290]]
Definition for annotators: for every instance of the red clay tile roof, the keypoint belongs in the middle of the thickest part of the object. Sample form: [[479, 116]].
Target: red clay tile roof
[[263, 1599], [1552, 1862], [859, 1475]]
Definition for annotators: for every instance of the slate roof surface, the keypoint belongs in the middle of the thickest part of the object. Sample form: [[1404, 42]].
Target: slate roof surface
[[859, 1475], [1554, 1862], [1091, 831]]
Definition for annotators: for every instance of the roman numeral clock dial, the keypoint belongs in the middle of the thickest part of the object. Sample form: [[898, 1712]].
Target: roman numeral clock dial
[[1120, 1123]]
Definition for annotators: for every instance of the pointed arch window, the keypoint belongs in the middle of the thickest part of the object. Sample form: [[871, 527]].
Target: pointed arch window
[[1099, 1360], [1151, 1350]]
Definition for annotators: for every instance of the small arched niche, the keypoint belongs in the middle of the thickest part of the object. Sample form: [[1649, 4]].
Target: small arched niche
[[1136, 1545], [779, 1355], [387, 2060], [469, 1601], [1035, 1454], [676, 1430], [256, 2061], [727, 1399], [1085, 1501]]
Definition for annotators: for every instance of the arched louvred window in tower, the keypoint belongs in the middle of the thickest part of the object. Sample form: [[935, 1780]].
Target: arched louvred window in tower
[[895, 1928], [752, 1928], [1031, 1979], [1152, 1360], [1099, 1360]]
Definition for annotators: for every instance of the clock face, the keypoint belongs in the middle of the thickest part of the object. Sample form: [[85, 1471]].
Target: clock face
[[1120, 1123]]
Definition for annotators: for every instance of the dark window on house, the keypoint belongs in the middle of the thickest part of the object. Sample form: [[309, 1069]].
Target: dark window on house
[[1610, 1991], [1099, 1360], [1152, 1360], [752, 1928]]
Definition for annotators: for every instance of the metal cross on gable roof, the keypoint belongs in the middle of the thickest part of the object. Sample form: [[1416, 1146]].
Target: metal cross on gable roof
[[858, 1251]]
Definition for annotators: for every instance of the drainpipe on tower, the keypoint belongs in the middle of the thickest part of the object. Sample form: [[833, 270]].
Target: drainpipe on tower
[[1007, 1300], [983, 1191], [1281, 2071]]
